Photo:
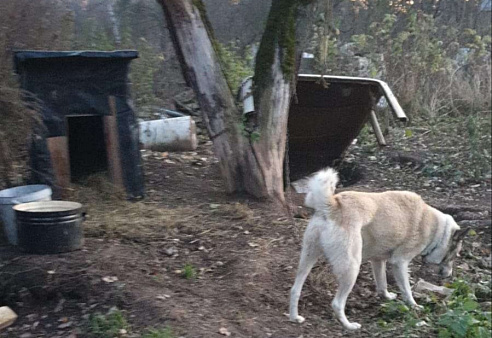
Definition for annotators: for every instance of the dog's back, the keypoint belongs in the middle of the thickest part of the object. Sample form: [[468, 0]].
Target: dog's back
[[394, 224]]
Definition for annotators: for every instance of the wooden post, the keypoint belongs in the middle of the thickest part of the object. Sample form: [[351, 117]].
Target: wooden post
[[113, 145], [377, 129], [60, 161]]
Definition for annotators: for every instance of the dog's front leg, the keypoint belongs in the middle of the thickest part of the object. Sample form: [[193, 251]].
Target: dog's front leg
[[309, 256], [400, 271], [379, 272], [346, 276], [345, 260]]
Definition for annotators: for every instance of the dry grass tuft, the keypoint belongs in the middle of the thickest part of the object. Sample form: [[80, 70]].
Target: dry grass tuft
[[133, 221], [110, 215], [96, 187], [236, 211]]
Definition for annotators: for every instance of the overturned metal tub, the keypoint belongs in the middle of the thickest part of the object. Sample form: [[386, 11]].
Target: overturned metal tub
[[327, 115]]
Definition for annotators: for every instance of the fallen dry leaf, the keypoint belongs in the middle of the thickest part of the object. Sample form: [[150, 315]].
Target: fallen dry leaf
[[65, 325], [163, 297], [224, 331], [110, 279]]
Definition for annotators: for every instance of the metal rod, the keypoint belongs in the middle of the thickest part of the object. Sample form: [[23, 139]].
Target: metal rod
[[377, 129]]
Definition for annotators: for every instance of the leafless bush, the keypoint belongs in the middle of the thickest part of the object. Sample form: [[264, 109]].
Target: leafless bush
[[471, 89], [41, 25], [454, 90], [18, 119]]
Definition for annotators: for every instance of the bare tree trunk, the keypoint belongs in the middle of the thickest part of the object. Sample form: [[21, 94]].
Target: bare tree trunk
[[249, 162], [202, 72], [114, 25]]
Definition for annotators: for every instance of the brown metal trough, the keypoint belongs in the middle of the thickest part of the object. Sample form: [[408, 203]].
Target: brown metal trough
[[325, 119]]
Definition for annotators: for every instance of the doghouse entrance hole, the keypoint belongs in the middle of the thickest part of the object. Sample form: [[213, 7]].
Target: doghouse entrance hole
[[87, 147]]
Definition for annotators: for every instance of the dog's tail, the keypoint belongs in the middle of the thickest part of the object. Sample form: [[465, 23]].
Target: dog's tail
[[320, 189]]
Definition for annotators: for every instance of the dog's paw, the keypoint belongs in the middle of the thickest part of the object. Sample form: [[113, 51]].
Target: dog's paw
[[389, 295], [299, 319], [417, 307], [353, 326]]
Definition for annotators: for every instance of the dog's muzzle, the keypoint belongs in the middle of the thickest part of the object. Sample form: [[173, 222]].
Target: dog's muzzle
[[445, 271]]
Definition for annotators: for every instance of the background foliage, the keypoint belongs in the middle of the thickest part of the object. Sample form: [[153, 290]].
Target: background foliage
[[435, 55]]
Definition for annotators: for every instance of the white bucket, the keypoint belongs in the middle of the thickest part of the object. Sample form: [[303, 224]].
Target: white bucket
[[18, 195]]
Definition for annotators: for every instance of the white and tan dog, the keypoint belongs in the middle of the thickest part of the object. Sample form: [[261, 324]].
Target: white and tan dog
[[354, 227]]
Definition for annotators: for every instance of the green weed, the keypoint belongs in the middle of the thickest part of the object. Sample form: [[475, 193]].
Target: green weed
[[463, 316], [114, 324], [189, 271], [159, 333], [107, 326]]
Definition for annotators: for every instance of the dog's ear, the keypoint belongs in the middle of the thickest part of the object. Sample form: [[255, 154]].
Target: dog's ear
[[459, 235]]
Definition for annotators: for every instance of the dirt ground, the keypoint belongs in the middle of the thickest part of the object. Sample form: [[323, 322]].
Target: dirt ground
[[244, 252]]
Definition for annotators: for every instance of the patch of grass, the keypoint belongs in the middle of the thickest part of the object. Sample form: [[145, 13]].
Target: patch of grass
[[159, 333], [114, 324], [189, 271], [459, 315], [466, 161], [107, 326]]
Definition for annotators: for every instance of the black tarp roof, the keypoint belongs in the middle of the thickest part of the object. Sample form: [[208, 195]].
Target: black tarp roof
[[24, 55]]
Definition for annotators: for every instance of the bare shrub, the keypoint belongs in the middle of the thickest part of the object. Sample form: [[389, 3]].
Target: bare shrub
[[18, 119], [45, 25], [433, 70]]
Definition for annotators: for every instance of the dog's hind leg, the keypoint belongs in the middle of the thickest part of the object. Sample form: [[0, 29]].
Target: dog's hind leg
[[400, 271], [345, 260], [379, 272], [309, 255]]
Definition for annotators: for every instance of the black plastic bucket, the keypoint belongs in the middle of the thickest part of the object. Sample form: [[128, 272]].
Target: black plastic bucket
[[50, 227]]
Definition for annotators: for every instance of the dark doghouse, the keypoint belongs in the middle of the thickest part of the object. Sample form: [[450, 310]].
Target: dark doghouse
[[90, 126]]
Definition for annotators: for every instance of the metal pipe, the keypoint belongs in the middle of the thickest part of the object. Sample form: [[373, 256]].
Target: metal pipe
[[173, 113], [377, 129]]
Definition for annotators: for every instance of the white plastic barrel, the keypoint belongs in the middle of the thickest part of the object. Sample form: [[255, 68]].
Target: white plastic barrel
[[18, 195], [175, 134]]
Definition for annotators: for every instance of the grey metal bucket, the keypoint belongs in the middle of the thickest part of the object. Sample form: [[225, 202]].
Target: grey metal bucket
[[50, 227], [18, 195]]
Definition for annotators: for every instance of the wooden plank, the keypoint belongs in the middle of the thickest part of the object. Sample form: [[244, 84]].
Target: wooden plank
[[113, 145], [60, 161]]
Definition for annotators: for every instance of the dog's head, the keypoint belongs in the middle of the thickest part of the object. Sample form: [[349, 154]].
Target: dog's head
[[453, 250], [448, 248]]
